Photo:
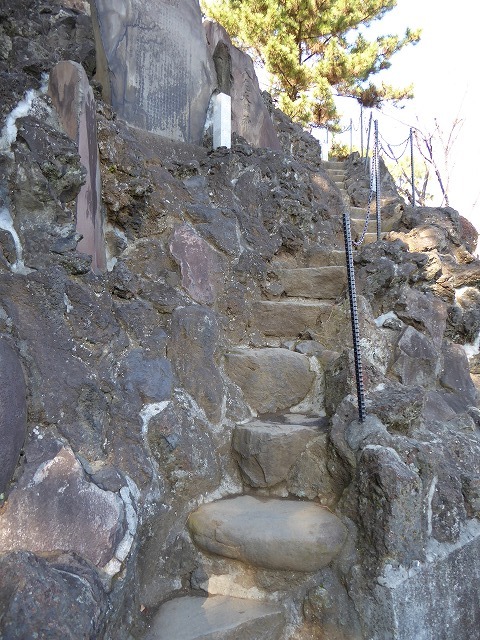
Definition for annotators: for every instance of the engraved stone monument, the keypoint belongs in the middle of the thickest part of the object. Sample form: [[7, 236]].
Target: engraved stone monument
[[154, 64], [73, 99]]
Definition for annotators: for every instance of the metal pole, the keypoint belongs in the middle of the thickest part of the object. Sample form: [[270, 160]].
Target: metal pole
[[412, 168], [351, 135], [368, 139], [377, 183], [361, 129], [354, 316]]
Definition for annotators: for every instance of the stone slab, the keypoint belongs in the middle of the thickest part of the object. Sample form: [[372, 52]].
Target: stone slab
[[222, 121], [73, 99], [322, 283], [216, 618], [250, 117], [266, 451], [275, 534], [13, 411], [290, 318], [154, 65], [271, 379]]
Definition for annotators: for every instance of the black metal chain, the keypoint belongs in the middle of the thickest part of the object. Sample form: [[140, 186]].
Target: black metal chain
[[373, 173], [352, 293]]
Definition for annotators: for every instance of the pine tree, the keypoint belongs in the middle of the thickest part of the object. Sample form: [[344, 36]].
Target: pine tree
[[313, 49]]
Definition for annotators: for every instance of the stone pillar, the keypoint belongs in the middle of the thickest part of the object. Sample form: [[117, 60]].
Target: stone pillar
[[73, 99], [222, 121]]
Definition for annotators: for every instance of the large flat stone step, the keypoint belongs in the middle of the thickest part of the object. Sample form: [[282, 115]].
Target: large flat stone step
[[216, 618], [322, 283], [289, 318], [271, 533], [272, 379]]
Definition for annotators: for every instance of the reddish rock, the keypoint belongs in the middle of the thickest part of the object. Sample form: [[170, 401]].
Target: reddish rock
[[200, 264], [73, 99]]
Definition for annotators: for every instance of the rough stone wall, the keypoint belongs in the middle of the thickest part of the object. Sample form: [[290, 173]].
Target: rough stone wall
[[122, 410]]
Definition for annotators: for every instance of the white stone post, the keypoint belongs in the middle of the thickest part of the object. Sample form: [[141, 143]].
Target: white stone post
[[222, 121]]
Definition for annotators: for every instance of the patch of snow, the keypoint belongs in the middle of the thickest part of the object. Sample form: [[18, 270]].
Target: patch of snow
[[473, 348], [6, 223], [431, 492], [390, 315], [23, 108], [67, 303], [151, 410]]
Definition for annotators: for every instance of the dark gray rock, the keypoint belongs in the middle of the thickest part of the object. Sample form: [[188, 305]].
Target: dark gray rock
[[192, 350], [417, 360], [455, 374], [58, 596], [329, 607], [13, 411], [390, 505], [429, 601], [154, 66]]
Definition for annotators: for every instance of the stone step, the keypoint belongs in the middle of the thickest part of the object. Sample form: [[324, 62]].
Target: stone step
[[372, 237], [322, 283], [321, 258], [358, 225], [287, 535], [266, 450], [271, 379], [336, 173], [289, 318], [360, 212], [333, 164], [216, 618]]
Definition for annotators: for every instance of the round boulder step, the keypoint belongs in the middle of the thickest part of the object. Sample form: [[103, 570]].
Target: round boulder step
[[279, 534]]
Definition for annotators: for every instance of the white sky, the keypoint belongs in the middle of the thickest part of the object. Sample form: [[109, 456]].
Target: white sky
[[444, 70]]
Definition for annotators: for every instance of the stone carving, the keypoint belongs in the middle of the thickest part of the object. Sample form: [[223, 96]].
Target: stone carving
[[250, 118], [154, 66], [73, 99]]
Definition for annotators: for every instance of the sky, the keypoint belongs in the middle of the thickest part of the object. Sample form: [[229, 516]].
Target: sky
[[443, 67]]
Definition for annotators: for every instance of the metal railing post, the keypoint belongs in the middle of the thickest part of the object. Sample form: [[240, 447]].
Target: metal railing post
[[361, 129], [354, 316], [377, 183], [351, 135], [412, 168], [368, 139]]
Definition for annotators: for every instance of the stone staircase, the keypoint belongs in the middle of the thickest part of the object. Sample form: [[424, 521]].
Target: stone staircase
[[336, 171], [260, 551]]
